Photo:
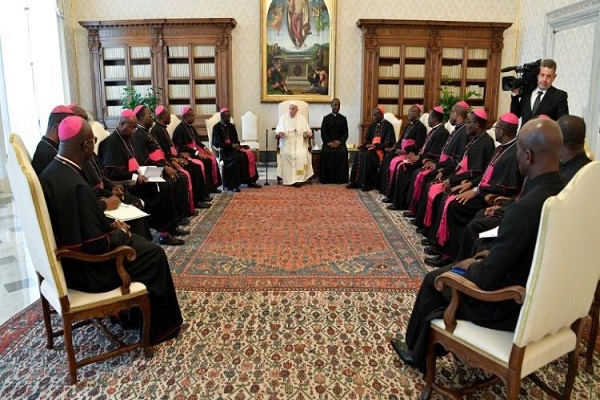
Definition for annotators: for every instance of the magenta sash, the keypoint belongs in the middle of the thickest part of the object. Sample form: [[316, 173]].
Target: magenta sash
[[418, 188], [251, 162], [444, 157], [463, 166], [192, 146], [443, 232], [173, 151], [434, 191], [157, 155], [215, 165], [407, 142], [190, 190], [487, 175], [200, 164], [133, 165], [395, 162]]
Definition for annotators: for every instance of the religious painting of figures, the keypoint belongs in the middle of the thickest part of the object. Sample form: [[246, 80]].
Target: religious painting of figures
[[297, 50]]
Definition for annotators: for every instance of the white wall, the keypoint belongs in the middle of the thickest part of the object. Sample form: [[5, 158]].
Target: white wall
[[246, 43]]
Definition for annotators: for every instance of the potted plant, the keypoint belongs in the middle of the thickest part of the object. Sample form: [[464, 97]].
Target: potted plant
[[448, 98], [131, 98]]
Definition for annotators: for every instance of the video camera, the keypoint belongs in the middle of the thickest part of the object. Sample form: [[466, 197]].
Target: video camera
[[526, 78]]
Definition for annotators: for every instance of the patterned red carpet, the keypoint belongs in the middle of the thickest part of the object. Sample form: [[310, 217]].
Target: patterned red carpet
[[284, 238], [331, 275]]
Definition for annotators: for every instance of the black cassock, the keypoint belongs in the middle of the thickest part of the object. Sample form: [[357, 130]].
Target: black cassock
[[452, 153], [93, 172], [399, 182], [79, 223], [412, 140], [508, 263], [115, 153], [199, 186], [145, 147], [237, 169], [504, 179], [478, 154], [365, 166], [187, 140], [333, 167], [44, 154]]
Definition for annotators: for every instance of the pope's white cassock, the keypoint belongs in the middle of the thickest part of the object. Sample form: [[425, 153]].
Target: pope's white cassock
[[294, 164]]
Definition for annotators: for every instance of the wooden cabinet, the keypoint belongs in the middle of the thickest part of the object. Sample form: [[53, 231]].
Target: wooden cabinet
[[188, 59], [407, 62]]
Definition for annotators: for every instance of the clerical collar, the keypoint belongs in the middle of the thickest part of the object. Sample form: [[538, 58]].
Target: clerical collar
[[142, 128], [68, 163], [436, 126], [509, 143]]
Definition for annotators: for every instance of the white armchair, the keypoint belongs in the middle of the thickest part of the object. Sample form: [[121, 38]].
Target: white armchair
[[561, 285], [250, 130], [396, 123], [99, 133], [74, 307], [175, 121], [424, 118]]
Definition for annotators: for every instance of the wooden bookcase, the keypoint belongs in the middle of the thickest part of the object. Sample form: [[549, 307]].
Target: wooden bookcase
[[407, 62], [189, 59]]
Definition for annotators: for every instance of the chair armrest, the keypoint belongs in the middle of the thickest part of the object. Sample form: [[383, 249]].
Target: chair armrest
[[459, 285], [118, 253]]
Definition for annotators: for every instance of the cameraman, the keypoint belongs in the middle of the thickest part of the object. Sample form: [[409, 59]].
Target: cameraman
[[545, 99]]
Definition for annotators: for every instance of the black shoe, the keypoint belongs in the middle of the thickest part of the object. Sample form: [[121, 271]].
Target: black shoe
[[195, 212], [437, 261], [408, 214], [202, 204], [425, 242], [206, 199], [184, 221], [297, 184], [178, 231], [367, 188], [431, 250], [392, 207], [216, 191], [419, 230], [352, 186], [236, 190], [386, 200], [170, 241], [254, 185], [405, 355]]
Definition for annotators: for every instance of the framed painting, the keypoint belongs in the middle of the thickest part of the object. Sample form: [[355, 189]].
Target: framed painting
[[297, 50]]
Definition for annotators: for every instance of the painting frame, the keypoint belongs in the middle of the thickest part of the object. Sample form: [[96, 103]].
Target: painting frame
[[297, 50]]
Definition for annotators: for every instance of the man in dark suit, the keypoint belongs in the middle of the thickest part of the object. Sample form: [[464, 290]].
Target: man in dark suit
[[543, 100]]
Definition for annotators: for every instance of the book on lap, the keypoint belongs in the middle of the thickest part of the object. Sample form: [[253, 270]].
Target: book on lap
[[125, 212], [152, 173]]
